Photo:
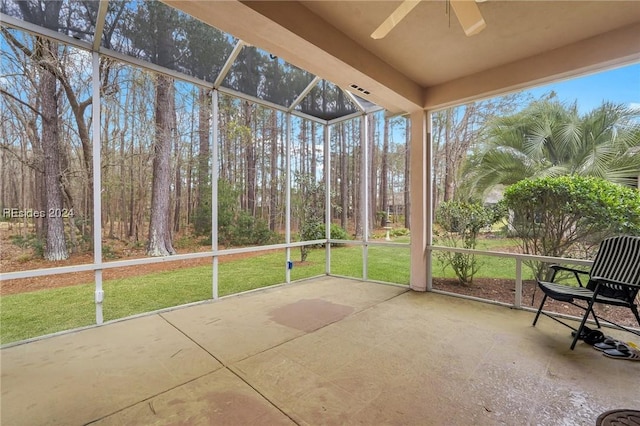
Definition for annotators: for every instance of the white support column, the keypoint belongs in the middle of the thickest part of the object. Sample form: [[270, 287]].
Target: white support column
[[327, 197], [429, 195], [96, 123], [518, 300], [364, 192], [287, 231], [420, 201], [214, 190]]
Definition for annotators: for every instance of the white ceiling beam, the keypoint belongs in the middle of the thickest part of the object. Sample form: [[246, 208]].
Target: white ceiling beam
[[605, 51]]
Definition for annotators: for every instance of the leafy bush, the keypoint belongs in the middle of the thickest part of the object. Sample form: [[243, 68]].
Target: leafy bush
[[235, 227], [312, 231], [29, 241], [461, 223], [247, 230], [337, 232], [227, 209], [399, 232], [393, 232], [316, 231], [561, 216], [311, 216], [310, 211], [108, 252]]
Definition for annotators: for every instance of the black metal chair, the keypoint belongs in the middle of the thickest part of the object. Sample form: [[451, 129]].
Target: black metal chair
[[614, 279]]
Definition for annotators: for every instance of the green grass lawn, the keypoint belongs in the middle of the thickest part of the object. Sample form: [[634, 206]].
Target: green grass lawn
[[389, 264], [42, 312], [47, 311]]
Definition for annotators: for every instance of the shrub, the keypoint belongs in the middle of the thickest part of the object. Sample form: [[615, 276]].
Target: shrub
[[227, 209], [399, 232], [29, 241], [309, 210], [247, 230], [337, 232], [560, 216], [108, 252], [23, 258], [461, 223], [235, 227], [316, 231]]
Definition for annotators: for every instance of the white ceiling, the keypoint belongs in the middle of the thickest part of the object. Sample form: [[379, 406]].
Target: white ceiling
[[430, 47], [427, 61]]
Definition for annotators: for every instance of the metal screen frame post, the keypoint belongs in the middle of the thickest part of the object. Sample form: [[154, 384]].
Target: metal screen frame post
[[518, 295], [96, 122], [214, 192], [428, 194], [287, 230], [327, 197], [364, 194]]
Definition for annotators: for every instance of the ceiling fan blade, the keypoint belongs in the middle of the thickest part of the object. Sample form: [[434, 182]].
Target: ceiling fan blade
[[469, 16], [405, 7]]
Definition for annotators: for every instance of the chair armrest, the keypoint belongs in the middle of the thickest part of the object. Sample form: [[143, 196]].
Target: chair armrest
[[575, 272], [610, 281], [566, 268]]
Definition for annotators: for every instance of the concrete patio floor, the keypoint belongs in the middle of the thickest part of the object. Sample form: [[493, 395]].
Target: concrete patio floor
[[324, 351]]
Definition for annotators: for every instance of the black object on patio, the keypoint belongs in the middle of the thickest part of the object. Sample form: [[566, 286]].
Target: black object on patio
[[619, 417], [614, 279]]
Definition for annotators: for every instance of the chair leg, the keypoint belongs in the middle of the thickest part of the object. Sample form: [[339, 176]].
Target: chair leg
[[635, 312], [544, 299], [582, 323], [593, 314]]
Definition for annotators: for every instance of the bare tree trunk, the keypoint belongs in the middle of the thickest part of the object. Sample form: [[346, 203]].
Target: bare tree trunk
[[407, 178], [344, 177], [78, 108], [39, 186], [250, 158], [273, 193], [304, 140], [56, 248], [282, 157], [132, 183], [159, 229], [189, 179], [260, 120], [4, 170], [436, 144], [449, 178], [223, 162], [25, 183], [384, 172], [132, 219], [204, 125], [178, 186], [122, 203], [312, 148], [356, 191], [373, 177], [456, 133], [313, 164]]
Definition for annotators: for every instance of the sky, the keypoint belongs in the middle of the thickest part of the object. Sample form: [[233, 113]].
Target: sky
[[619, 85]]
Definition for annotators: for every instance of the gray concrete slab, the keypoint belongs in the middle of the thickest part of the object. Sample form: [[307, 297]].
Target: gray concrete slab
[[326, 351], [246, 325], [432, 359], [218, 398], [79, 377]]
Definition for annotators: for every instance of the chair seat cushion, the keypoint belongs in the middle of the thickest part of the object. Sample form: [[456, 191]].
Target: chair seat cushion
[[566, 293]]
